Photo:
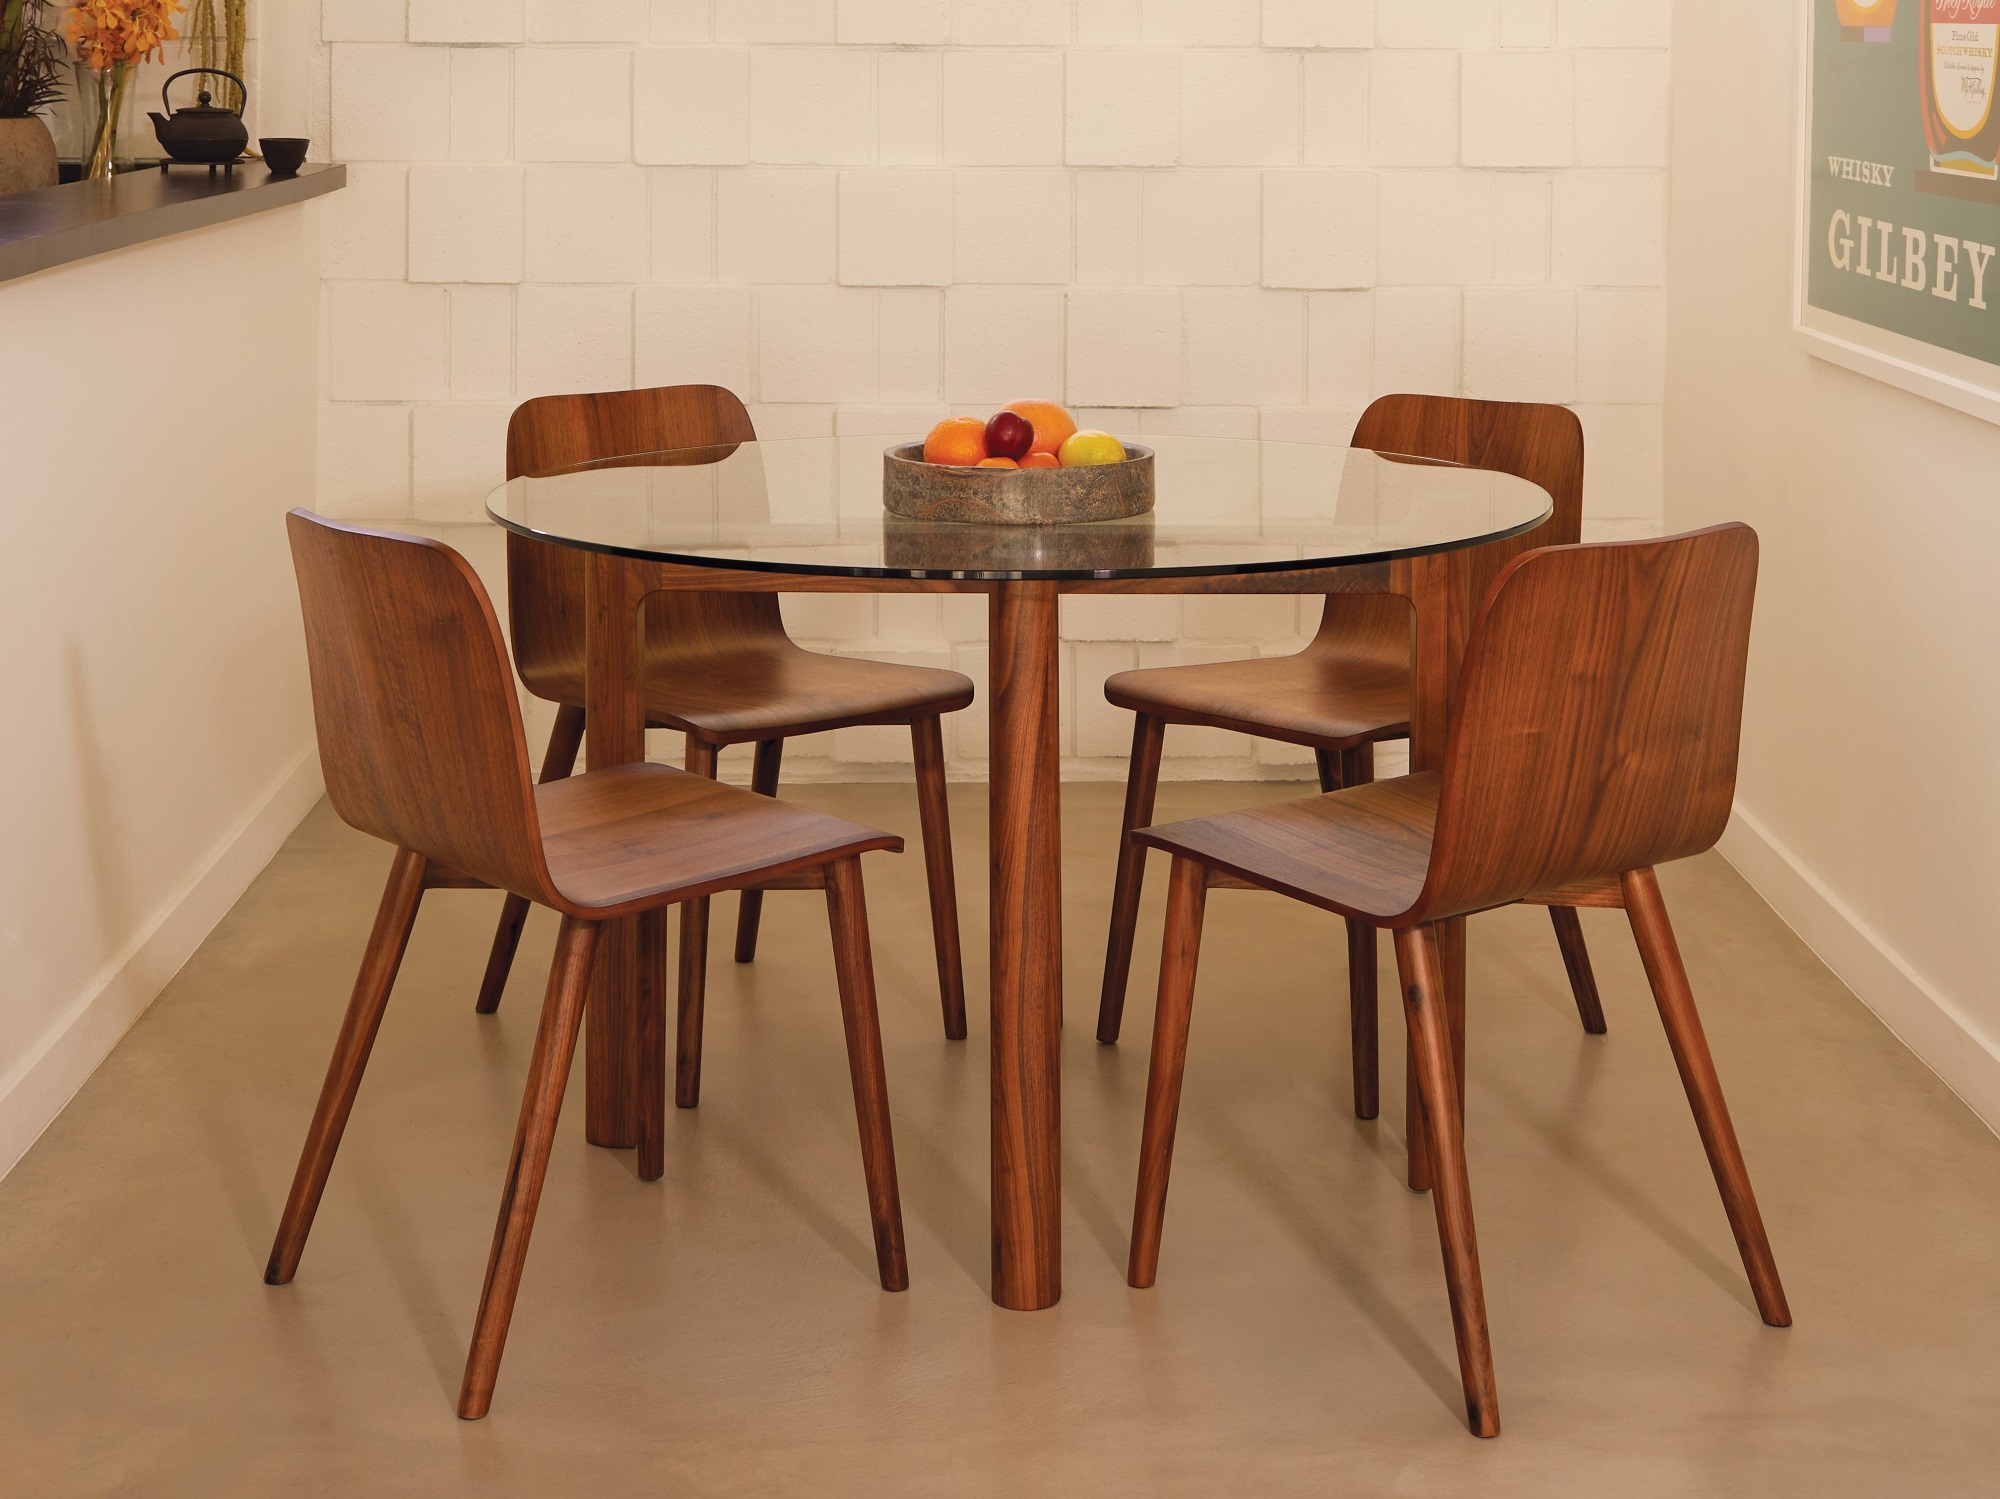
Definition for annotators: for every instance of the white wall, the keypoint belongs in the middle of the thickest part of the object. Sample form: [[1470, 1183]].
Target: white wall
[[1183, 215], [160, 405], [1869, 805]]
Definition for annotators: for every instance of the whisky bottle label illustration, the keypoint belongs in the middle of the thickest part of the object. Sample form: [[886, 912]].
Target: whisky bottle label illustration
[[1866, 20], [1956, 53]]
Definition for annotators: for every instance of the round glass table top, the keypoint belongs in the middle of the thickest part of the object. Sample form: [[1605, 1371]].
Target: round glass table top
[[813, 506]]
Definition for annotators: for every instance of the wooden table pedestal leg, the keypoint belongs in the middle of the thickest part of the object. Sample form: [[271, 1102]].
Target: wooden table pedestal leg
[[1026, 947], [614, 734]]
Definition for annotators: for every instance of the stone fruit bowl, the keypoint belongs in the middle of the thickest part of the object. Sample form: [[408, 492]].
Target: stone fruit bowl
[[1016, 496]]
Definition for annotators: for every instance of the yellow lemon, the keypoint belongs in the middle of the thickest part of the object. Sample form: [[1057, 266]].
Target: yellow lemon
[[1089, 448]]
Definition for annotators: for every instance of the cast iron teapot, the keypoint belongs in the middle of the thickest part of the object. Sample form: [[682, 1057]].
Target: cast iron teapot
[[203, 131]]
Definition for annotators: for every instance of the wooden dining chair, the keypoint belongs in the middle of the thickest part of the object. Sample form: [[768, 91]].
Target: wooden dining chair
[[719, 667], [1350, 687], [1601, 704], [421, 742]]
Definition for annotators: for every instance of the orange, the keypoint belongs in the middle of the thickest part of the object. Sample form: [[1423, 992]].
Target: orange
[[1041, 460], [957, 441], [996, 463], [1052, 424]]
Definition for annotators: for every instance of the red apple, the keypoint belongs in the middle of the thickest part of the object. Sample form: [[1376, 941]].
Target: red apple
[[1009, 435]]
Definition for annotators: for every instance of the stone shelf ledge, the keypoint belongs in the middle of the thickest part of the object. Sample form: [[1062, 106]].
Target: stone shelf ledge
[[55, 225]]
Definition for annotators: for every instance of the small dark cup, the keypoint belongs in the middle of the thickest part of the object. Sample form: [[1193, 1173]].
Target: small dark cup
[[283, 154]]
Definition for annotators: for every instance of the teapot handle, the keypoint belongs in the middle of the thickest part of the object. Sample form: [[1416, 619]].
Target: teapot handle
[[241, 89]]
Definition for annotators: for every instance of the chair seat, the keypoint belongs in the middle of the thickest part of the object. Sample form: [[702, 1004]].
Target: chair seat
[[1362, 852], [776, 691], [634, 833], [1316, 698]]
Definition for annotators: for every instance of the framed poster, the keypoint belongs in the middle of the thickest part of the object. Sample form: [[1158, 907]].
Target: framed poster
[[1898, 272]]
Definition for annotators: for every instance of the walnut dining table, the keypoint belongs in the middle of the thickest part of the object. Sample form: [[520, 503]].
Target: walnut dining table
[[805, 515]]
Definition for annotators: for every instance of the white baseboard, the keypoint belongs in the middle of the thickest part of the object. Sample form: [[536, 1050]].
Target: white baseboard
[[1924, 1019], [38, 1086]]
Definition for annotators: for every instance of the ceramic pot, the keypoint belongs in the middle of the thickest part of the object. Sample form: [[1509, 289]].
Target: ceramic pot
[[27, 155]]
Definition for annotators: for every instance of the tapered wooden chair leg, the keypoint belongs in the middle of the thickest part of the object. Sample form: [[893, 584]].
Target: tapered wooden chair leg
[[1364, 1043], [1576, 959], [1142, 782], [1187, 894], [927, 739], [854, 968], [692, 1002], [541, 1104], [693, 967], [1448, 941], [750, 904], [1357, 768], [1431, 1046], [650, 1111], [500, 959], [557, 762], [1662, 957], [1415, 1130], [393, 920], [1339, 769]]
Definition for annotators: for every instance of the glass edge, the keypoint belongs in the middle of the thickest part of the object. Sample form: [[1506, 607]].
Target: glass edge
[[1029, 575], [624, 460]]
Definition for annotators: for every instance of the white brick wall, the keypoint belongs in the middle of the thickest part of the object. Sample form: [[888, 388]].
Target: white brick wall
[[1216, 216]]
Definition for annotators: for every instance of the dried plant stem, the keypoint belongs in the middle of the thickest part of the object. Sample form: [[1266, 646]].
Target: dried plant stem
[[218, 41], [236, 30], [201, 34]]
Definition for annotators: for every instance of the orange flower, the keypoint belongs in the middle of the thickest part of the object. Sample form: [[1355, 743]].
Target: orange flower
[[108, 32]]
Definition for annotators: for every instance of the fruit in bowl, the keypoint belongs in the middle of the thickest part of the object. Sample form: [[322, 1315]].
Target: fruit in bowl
[[960, 472], [1052, 424], [957, 442], [1021, 434], [1009, 435], [1089, 449]]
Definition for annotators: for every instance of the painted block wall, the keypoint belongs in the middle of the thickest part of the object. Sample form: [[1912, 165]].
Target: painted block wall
[[1222, 217]]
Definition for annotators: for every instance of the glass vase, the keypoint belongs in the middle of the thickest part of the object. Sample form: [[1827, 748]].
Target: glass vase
[[108, 90]]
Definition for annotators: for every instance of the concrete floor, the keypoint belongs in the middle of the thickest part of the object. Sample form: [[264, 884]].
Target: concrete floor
[[721, 1332]]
